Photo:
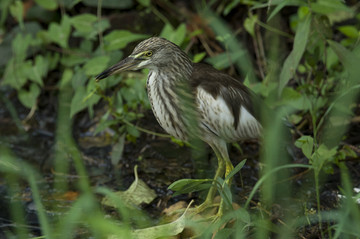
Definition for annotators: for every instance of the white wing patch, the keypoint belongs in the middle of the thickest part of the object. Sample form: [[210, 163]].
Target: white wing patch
[[216, 118]]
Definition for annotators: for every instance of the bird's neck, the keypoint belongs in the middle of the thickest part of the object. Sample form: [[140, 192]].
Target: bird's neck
[[175, 71], [166, 86]]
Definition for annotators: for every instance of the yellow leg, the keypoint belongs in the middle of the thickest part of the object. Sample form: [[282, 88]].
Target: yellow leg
[[224, 167], [229, 168], [213, 189]]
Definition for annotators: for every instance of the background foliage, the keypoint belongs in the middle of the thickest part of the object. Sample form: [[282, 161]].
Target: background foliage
[[300, 56]]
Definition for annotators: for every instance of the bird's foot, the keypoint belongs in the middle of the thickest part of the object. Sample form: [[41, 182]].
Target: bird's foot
[[206, 205]]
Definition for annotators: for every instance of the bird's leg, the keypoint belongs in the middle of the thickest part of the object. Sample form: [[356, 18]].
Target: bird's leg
[[229, 168], [219, 173], [213, 189]]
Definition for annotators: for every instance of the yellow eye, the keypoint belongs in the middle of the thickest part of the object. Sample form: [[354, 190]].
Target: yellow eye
[[148, 53]]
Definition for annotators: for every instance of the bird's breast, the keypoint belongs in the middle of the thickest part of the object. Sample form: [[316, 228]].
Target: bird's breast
[[164, 104]]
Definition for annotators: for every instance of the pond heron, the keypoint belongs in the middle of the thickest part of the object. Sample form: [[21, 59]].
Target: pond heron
[[183, 94]]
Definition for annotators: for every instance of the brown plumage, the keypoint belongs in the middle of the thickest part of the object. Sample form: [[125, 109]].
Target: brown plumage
[[183, 94], [212, 80]]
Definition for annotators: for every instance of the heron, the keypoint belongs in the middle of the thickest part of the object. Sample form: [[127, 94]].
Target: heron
[[222, 107]]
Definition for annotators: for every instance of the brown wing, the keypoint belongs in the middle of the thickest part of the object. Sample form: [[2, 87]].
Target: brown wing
[[217, 83]]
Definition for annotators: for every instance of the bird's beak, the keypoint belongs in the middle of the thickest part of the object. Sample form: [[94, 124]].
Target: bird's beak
[[129, 63]]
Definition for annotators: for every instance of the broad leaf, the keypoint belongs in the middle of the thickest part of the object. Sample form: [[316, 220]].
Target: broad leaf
[[136, 194], [96, 65], [199, 56], [226, 59], [28, 98], [47, 4], [17, 11], [321, 156], [190, 185], [176, 36], [118, 39], [110, 4], [132, 130], [84, 22], [249, 24], [40, 68], [59, 33], [16, 73], [77, 101], [349, 31], [306, 143], [20, 46], [145, 3]]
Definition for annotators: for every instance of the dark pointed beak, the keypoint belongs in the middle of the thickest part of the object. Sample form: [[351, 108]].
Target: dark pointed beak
[[129, 63]]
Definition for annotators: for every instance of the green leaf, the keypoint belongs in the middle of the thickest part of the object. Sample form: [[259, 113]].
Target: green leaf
[[20, 46], [91, 87], [223, 233], [118, 39], [349, 31], [243, 215], [326, 7], [132, 130], [84, 95], [79, 79], [277, 9], [77, 102], [72, 60], [306, 143], [198, 57], [190, 185], [28, 98], [230, 6], [84, 22], [348, 59], [59, 33], [47, 4], [66, 78], [176, 36], [17, 11], [38, 70], [293, 98], [96, 65], [145, 3], [321, 156], [292, 61], [334, 10], [236, 170], [16, 73], [225, 59], [224, 191], [110, 4], [249, 24]]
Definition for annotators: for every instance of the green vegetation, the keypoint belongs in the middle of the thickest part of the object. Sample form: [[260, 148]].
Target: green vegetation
[[300, 56]]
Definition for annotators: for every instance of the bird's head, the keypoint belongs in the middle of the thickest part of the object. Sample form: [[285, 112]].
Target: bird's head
[[152, 53]]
